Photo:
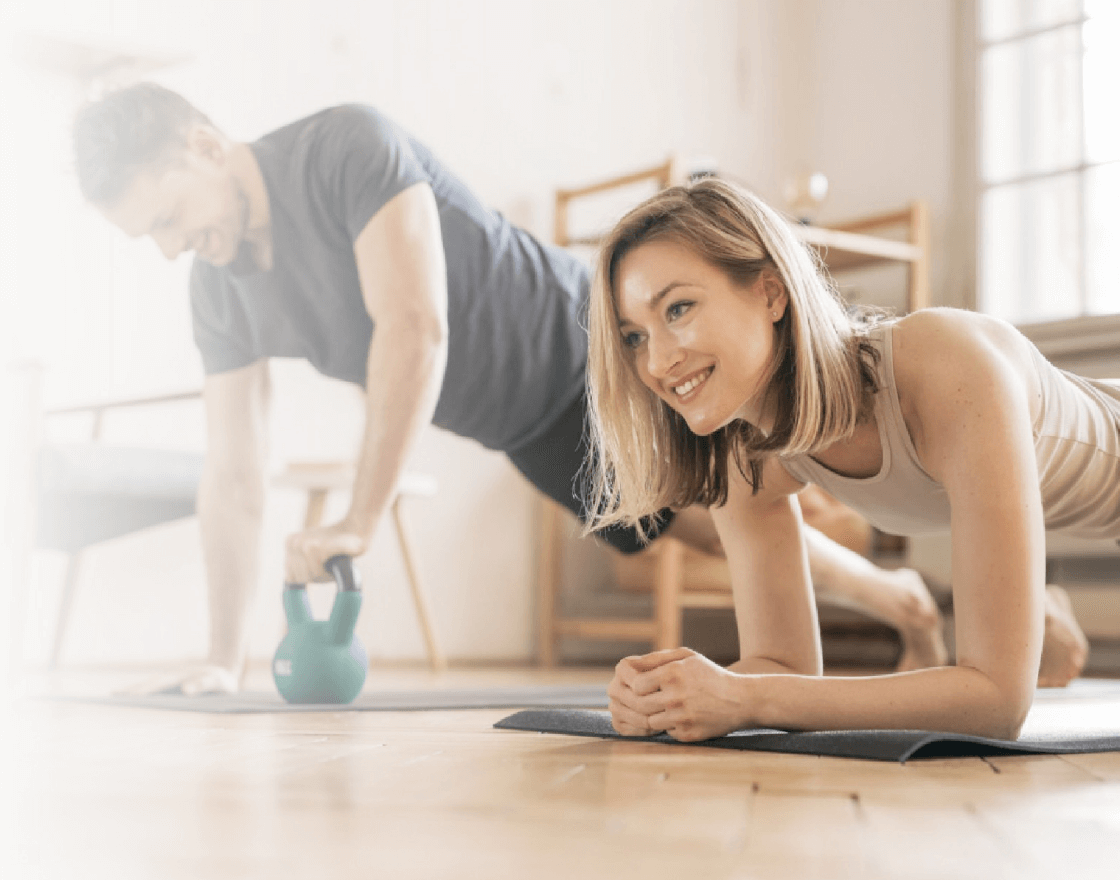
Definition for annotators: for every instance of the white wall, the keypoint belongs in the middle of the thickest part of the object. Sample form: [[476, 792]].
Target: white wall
[[865, 92], [516, 97]]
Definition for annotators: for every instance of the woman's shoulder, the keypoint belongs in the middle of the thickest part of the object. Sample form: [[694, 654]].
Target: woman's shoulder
[[936, 350], [947, 334]]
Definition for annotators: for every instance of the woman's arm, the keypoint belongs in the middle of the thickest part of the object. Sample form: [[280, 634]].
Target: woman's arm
[[774, 609], [967, 406]]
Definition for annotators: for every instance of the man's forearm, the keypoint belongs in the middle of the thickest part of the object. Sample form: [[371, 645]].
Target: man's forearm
[[402, 389], [230, 524]]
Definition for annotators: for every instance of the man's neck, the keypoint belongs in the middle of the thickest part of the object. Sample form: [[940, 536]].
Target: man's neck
[[258, 225]]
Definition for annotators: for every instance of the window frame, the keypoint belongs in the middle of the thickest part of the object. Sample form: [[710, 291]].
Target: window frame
[[973, 59]]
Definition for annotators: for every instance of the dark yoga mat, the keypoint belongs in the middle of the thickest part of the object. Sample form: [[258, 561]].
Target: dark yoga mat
[[373, 701], [1084, 718]]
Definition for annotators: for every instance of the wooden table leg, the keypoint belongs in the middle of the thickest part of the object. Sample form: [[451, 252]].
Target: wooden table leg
[[316, 502], [435, 655]]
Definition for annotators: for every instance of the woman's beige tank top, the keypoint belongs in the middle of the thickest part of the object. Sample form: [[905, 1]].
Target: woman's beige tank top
[[1076, 441]]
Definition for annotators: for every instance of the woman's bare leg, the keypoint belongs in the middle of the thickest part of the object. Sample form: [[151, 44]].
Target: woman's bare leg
[[1064, 646], [841, 576], [897, 597]]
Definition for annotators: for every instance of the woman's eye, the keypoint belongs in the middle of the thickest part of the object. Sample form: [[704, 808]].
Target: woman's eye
[[677, 309], [632, 340]]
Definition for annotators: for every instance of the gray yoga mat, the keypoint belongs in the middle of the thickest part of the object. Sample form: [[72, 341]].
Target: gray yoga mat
[[1084, 718], [371, 701]]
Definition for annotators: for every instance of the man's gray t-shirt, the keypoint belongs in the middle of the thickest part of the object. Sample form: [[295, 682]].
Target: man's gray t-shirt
[[517, 349]]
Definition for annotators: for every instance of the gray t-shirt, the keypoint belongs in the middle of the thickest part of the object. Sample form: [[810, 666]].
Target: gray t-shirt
[[517, 347]]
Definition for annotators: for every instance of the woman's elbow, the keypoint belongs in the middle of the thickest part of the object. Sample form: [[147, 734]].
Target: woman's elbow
[[1017, 716], [1009, 713]]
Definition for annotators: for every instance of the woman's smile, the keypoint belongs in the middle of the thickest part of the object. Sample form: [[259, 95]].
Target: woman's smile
[[691, 387]]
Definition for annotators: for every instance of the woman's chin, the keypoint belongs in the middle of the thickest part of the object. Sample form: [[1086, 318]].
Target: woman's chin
[[703, 424]]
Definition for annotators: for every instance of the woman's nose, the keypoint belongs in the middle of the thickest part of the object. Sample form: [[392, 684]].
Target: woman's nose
[[664, 354]]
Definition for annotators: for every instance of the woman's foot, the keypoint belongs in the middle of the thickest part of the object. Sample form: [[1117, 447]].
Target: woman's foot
[[918, 620], [1064, 646]]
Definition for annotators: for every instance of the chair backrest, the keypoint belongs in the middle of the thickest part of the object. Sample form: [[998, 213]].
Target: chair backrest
[[665, 174]]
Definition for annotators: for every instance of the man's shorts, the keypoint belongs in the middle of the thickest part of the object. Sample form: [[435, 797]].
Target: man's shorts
[[554, 463]]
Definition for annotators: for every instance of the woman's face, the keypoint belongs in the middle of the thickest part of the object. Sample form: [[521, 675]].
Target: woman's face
[[699, 341]]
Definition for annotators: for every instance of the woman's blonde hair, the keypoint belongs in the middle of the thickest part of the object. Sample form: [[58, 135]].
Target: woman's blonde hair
[[644, 456]]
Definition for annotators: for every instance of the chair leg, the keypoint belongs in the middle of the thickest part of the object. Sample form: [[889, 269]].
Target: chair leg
[[548, 583], [666, 594], [316, 503], [435, 655], [69, 587]]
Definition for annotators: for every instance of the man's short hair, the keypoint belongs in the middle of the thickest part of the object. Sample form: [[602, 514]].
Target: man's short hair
[[128, 131]]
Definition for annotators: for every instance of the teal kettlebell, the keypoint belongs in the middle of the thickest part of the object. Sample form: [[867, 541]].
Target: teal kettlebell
[[322, 661]]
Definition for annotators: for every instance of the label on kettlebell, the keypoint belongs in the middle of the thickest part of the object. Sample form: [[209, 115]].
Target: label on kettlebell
[[282, 666]]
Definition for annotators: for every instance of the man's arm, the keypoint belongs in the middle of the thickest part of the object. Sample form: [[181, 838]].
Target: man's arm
[[403, 275], [231, 504]]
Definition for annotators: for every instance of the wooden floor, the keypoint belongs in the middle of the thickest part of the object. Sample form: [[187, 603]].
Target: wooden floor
[[100, 792]]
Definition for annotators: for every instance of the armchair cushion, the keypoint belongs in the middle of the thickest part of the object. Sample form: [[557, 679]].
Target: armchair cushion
[[92, 492]]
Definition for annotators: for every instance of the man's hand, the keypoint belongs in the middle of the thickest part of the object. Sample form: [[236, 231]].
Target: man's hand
[[306, 551], [208, 679], [679, 692]]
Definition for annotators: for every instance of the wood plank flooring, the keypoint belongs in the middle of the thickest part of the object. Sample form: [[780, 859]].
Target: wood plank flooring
[[102, 792]]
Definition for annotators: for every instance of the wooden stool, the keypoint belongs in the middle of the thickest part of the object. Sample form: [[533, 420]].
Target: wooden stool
[[319, 479]]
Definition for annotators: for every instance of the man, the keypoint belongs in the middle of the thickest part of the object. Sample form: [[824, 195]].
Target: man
[[341, 239]]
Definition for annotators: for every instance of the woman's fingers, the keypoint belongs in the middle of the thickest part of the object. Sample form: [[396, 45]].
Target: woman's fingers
[[628, 722], [648, 662], [630, 711], [642, 674], [646, 703]]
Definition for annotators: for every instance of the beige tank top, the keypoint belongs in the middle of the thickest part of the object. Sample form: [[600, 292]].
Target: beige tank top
[[1077, 447]]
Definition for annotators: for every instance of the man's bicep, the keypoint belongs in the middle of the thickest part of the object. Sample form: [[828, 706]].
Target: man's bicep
[[236, 404], [401, 264]]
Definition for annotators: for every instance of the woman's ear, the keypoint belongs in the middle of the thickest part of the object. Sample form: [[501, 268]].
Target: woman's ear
[[777, 297]]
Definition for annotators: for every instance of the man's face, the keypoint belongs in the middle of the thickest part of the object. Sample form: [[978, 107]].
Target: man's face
[[192, 204]]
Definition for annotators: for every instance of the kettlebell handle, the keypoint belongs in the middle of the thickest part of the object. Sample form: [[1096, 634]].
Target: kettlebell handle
[[345, 575]]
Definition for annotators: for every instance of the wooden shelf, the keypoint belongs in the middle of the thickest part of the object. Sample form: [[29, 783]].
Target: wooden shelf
[[844, 251], [854, 244]]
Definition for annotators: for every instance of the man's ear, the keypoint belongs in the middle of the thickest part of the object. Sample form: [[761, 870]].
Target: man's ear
[[205, 142]]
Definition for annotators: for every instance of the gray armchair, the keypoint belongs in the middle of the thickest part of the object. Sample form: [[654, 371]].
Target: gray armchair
[[87, 493]]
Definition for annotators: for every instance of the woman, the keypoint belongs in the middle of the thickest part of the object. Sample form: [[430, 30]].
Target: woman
[[725, 371]]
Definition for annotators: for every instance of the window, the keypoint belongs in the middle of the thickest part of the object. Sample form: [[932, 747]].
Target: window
[[1049, 158]]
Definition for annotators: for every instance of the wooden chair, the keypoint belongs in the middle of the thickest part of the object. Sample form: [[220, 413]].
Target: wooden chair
[[679, 577], [664, 175]]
